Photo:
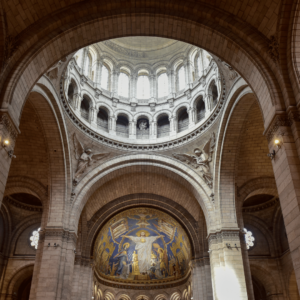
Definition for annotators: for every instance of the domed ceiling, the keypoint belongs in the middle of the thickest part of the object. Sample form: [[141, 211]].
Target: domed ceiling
[[142, 245]]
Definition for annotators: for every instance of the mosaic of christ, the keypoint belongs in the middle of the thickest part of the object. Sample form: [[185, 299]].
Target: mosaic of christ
[[142, 244]]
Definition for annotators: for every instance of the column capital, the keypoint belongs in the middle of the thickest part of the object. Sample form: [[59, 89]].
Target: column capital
[[50, 233]]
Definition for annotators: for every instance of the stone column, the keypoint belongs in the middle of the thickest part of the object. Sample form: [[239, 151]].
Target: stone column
[[8, 136], [82, 286], [83, 59], [98, 72], [133, 79], [286, 166], [191, 112], [173, 82], [153, 129], [227, 269], [112, 125], [201, 278], [153, 86], [189, 72], [115, 77], [54, 264]]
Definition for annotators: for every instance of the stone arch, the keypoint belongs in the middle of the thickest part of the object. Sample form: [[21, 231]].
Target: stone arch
[[171, 167], [22, 184], [161, 112], [256, 186], [122, 296], [175, 296], [142, 114], [45, 102], [266, 278], [229, 130], [247, 52], [162, 296], [105, 213], [124, 112], [18, 278], [107, 107]]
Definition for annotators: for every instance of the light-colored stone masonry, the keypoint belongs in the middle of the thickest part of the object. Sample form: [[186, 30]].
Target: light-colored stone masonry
[[240, 33]]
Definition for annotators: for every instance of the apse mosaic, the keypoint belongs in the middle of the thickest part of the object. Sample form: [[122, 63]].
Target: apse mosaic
[[142, 244]]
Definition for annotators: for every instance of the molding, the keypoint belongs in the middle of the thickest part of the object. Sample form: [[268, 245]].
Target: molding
[[142, 147], [21, 205], [224, 235], [282, 119], [143, 285], [7, 126], [263, 206], [58, 232]]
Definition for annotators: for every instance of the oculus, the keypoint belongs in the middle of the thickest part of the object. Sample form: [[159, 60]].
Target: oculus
[[142, 244]]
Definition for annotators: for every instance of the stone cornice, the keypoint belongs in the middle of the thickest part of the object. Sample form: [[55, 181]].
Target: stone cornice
[[177, 142], [21, 205], [263, 206], [285, 119], [224, 235], [149, 285], [58, 232], [7, 126]]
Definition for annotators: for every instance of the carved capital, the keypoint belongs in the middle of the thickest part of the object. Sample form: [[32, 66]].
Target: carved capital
[[224, 235], [59, 233], [278, 121], [7, 127]]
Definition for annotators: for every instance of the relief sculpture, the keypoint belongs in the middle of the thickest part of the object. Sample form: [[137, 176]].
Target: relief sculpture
[[201, 159]]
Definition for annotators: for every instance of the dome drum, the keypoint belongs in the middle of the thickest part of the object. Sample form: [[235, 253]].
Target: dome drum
[[142, 89]]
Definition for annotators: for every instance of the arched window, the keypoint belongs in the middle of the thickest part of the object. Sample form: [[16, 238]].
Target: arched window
[[143, 87], [213, 93], [88, 66], [122, 128], [162, 85], [200, 65], [70, 93], [102, 119], [183, 120], [85, 109], [123, 85], [181, 78], [105, 78], [200, 109], [163, 126]]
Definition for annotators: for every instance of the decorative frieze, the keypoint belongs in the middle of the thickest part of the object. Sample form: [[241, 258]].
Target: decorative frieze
[[224, 235], [21, 205], [60, 233]]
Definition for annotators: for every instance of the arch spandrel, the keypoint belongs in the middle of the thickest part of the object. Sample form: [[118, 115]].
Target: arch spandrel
[[161, 164]]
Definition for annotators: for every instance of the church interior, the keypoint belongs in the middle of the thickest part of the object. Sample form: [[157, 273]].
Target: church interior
[[150, 150]]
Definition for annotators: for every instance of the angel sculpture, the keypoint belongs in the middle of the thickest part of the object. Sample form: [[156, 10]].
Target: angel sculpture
[[201, 159], [85, 158]]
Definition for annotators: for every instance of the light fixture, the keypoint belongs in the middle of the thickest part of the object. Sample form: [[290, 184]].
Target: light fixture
[[5, 143], [277, 144]]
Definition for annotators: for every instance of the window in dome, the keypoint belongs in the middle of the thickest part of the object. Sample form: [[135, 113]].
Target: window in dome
[[143, 87], [34, 239], [162, 85], [200, 65], [124, 85], [181, 79], [249, 239], [104, 78], [88, 66]]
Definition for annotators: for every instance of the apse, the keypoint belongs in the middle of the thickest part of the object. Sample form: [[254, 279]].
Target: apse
[[142, 245]]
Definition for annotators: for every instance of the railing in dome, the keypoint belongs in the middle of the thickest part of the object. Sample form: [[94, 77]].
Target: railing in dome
[[143, 134], [183, 125], [125, 99], [200, 115], [122, 131], [84, 114], [163, 131], [102, 124]]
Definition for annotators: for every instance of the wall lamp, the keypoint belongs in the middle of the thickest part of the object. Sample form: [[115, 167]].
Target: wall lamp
[[272, 154], [5, 145]]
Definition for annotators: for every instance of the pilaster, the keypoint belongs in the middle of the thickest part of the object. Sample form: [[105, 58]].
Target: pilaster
[[227, 269]]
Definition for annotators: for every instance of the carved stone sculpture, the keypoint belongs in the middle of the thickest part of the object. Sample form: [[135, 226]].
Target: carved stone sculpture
[[201, 160], [85, 158], [142, 125]]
